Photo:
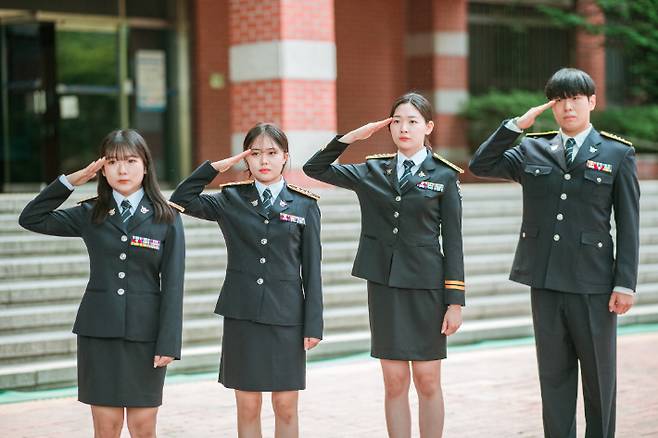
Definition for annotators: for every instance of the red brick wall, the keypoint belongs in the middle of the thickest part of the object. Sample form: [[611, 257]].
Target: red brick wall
[[370, 67], [211, 136]]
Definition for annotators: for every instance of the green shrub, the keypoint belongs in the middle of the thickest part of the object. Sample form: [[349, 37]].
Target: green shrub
[[485, 113]]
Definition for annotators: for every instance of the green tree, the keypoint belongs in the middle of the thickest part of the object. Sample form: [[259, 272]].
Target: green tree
[[631, 25]]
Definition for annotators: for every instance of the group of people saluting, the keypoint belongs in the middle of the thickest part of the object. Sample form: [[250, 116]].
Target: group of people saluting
[[410, 252]]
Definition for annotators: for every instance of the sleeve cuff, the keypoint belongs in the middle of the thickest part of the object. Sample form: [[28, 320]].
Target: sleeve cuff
[[62, 178], [512, 126], [623, 290]]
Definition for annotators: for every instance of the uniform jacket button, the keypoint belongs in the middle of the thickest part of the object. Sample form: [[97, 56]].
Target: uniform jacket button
[[122, 274], [121, 292], [398, 198], [396, 214], [263, 241], [124, 238], [600, 244], [567, 176], [563, 196], [262, 260], [395, 231], [598, 180], [556, 237], [122, 256], [259, 281], [266, 221], [560, 216]]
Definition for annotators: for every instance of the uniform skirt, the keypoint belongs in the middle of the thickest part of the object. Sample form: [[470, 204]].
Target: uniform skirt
[[262, 357], [405, 324], [119, 373]]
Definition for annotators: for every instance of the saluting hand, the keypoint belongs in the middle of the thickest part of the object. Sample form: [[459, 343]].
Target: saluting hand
[[620, 303], [162, 361], [365, 131], [310, 343], [227, 163], [528, 119], [452, 319], [83, 175]]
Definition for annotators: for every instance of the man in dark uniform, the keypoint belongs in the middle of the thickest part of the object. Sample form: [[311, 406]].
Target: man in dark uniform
[[572, 179]]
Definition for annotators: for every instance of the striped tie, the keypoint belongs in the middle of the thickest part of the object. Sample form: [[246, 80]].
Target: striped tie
[[568, 149], [408, 164], [267, 200], [125, 212]]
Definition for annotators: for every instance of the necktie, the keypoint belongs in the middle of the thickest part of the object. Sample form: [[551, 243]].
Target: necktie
[[568, 149], [125, 210], [408, 164], [267, 200]]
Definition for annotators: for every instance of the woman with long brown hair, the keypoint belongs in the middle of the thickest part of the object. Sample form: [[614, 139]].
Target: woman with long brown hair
[[129, 322]]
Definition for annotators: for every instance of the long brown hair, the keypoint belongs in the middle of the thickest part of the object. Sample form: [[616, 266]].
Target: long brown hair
[[122, 143], [419, 102]]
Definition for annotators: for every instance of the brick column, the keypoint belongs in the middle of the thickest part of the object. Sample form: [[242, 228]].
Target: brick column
[[590, 49], [211, 121], [437, 65], [282, 59]]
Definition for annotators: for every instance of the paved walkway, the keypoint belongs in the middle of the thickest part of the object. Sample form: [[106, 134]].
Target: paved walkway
[[489, 392]]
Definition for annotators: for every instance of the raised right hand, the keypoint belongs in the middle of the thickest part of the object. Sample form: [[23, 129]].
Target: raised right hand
[[528, 119], [83, 175], [227, 163], [365, 131]]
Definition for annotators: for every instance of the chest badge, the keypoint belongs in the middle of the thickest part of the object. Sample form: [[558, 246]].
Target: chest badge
[[436, 187], [145, 242], [111, 212], [388, 171], [592, 149], [292, 218], [144, 210], [421, 174], [554, 147], [282, 203], [254, 202], [601, 167]]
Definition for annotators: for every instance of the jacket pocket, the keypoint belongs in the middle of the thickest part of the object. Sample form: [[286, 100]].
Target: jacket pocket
[[526, 249], [595, 258], [597, 186], [536, 179]]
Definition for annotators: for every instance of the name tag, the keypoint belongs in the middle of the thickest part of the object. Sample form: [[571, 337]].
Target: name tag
[[291, 218], [145, 242], [601, 167], [430, 186]]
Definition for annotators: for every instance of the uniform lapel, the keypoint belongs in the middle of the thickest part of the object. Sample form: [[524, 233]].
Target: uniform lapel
[[555, 150], [114, 216], [390, 169], [143, 211], [250, 194], [423, 173], [282, 202], [588, 150]]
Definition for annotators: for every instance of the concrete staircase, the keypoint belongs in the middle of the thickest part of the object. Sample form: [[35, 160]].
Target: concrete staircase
[[42, 279]]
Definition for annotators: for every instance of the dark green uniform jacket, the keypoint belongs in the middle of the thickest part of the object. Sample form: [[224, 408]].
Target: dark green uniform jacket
[[273, 274], [400, 229], [135, 288], [565, 242]]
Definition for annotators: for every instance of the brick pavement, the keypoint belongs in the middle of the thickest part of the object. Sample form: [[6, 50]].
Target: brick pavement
[[490, 392]]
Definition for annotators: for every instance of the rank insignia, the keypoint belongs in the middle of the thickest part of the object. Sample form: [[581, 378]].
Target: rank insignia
[[592, 149], [554, 147], [388, 171], [144, 210], [282, 203], [430, 186], [145, 242], [421, 174], [111, 212], [601, 167], [254, 202], [291, 218]]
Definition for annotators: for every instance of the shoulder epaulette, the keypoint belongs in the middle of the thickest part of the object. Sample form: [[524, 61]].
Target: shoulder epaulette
[[236, 183], [448, 163], [616, 137], [540, 134], [91, 198], [303, 191], [176, 206], [380, 156]]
